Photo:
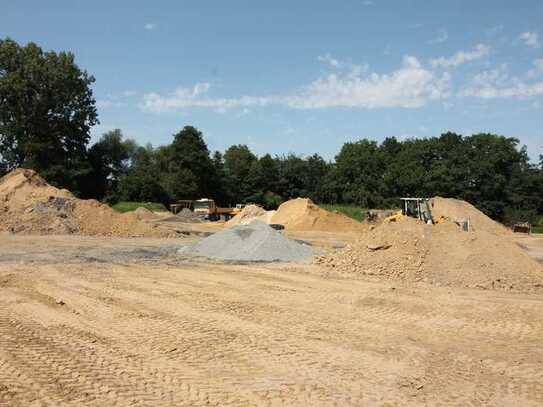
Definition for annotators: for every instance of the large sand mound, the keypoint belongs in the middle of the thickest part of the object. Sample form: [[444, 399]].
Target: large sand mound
[[303, 215], [456, 209], [254, 242], [247, 215], [439, 254], [145, 214], [28, 204]]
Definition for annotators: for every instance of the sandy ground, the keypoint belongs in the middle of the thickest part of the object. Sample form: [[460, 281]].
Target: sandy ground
[[106, 321], [533, 244]]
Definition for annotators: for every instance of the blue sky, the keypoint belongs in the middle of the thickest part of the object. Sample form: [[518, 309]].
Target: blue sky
[[302, 76]]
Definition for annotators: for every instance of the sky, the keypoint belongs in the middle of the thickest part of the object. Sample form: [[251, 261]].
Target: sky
[[302, 77]]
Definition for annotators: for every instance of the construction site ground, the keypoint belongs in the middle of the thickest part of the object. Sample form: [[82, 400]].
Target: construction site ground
[[109, 321]]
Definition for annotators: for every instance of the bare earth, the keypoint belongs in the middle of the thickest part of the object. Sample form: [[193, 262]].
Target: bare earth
[[112, 321]]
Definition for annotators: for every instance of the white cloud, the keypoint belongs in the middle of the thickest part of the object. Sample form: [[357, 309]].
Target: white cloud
[[461, 57], [530, 39], [368, 3], [195, 97], [415, 26], [442, 36], [115, 99], [497, 83], [107, 103], [149, 26], [410, 86], [537, 70], [329, 60]]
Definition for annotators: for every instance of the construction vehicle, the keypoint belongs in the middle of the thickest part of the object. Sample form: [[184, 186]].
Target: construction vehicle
[[522, 227], [207, 209], [418, 208], [180, 205]]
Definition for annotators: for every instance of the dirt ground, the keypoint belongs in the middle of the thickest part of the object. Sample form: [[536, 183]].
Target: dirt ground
[[114, 321]]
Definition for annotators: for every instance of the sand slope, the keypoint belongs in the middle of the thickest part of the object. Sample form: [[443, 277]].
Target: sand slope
[[456, 209], [246, 216], [28, 204], [303, 215], [440, 254]]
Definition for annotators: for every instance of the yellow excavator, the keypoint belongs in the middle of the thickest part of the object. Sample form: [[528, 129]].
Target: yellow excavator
[[418, 208]]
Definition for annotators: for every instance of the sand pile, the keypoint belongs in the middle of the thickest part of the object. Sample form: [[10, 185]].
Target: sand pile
[[266, 217], [254, 242], [456, 209], [303, 215], [29, 205], [145, 214], [439, 254], [247, 215]]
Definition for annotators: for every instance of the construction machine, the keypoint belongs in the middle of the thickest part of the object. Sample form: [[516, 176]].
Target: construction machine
[[418, 208], [207, 209]]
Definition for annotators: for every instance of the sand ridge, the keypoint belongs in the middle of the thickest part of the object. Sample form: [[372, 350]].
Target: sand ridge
[[303, 215], [29, 205]]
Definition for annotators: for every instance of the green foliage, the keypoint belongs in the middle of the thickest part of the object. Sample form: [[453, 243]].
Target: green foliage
[[46, 111], [125, 206], [185, 167], [110, 159], [238, 170], [354, 212], [142, 181]]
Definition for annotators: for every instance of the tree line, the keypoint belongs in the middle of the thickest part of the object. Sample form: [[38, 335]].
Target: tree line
[[47, 110]]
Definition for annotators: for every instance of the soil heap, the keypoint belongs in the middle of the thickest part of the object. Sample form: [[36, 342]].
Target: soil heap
[[247, 215], [256, 242], [301, 214], [456, 209], [28, 204], [441, 254], [145, 214]]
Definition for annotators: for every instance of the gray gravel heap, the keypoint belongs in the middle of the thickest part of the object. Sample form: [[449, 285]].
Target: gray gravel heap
[[254, 242]]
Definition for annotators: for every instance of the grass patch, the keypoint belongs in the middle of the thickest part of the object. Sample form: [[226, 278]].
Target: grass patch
[[132, 206], [354, 212]]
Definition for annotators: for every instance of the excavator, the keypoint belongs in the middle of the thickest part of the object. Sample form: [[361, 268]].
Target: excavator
[[418, 208]]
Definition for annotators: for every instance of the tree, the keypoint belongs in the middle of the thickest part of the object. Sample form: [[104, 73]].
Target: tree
[[490, 162], [316, 170], [46, 111], [263, 182], [141, 182], [110, 158], [187, 171], [238, 161], [359, 170], [292, 181]]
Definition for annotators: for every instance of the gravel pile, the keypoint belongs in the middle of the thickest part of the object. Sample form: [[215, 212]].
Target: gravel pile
[[184, 216], [254, 242]]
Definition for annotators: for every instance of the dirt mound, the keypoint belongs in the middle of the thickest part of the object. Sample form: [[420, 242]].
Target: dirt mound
[[247, 215], [439, 254], [266, 217], [456, 209], [28, 204], [145, 214], [254, 242], [302, 214]]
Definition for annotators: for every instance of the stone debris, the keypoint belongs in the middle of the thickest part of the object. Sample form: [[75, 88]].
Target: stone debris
[[256, 242]]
